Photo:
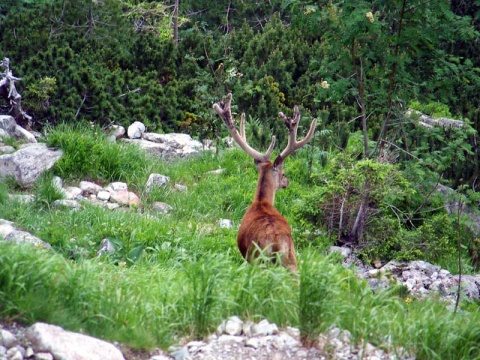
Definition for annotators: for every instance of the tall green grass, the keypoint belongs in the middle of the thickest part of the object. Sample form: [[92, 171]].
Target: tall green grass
[[180, 275], [148, 305]]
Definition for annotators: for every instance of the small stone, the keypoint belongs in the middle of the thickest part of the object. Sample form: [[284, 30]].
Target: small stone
[[6, 149], [14, 354], [344, 251], [181, 354], [230, 339], [72, 204], [233, 326], [89, 187], [194, 346], [248, 328], [116, 131], [43, 356], [283, 340], [72, 192], [373, 272], [125, 197], [410, 283], [106, 246], [253, 342], [265, 328], [116, 186], [301, 354], [29, 352], [160, 357], [293, 332], [57, 182], [334, 333], [5, 229], [112, 206], [161, 207], [180, 187], [156, 181], [7, 339], [103, 195], [21, 349], [136, 130], [225, 223]]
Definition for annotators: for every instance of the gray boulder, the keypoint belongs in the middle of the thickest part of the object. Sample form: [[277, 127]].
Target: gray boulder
[[24, 237], [28, 163], [10, 128], [66, 345], [136, 130]]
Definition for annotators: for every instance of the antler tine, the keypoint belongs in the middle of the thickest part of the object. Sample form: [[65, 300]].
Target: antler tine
[[244, 137], [292, 125], [242, 127], [223, 109]]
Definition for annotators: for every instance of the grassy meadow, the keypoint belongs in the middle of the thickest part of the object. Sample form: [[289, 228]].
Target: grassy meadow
[[179, 275]]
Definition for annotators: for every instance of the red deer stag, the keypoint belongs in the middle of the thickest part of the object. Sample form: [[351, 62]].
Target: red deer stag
[[263, 227]]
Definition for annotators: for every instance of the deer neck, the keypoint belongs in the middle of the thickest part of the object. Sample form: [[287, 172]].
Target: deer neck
[[266, 186]]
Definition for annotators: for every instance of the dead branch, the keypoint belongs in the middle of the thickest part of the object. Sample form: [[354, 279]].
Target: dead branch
[[9, 93], [430, 121]]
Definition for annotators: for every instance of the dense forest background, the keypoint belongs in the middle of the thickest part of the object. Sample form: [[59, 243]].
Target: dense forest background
[[357, 66]]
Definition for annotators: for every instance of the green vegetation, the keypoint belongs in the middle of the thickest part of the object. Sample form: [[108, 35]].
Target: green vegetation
[[180, 275], [369, 178]]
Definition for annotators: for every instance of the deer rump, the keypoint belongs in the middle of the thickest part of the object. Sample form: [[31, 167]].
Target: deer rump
[[265, 231]]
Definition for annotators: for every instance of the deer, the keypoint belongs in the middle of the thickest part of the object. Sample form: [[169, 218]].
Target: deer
[[263, 229]]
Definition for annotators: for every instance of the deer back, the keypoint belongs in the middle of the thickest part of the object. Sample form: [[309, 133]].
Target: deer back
[[263, 228]]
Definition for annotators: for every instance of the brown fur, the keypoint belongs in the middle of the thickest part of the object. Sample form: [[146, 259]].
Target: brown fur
[[263, 227]]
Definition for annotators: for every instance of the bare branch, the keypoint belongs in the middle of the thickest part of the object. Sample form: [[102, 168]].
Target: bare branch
[[430, 121]]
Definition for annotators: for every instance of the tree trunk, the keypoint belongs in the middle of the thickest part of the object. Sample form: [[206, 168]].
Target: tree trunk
[[175, 21]]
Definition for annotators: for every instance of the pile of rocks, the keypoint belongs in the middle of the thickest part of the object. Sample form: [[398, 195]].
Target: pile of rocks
[[420, 278], [168, 146], [234, 340], [27, 162], [112, 196]]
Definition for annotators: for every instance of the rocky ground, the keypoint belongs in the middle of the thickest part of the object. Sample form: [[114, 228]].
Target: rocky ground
[[234, 340]]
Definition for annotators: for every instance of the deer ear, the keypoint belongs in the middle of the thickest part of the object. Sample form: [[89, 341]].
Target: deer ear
[[278, 162]]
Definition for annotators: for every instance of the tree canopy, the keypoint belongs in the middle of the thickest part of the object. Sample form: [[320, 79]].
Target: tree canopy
[[358, 66]]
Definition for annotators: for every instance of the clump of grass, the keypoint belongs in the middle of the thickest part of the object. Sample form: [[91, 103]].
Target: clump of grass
[[10, 141], [46, 191], [88, 154], [318, 292], [3, 193]]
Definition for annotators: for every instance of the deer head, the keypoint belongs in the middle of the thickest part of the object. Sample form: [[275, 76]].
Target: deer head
[[263, 227]]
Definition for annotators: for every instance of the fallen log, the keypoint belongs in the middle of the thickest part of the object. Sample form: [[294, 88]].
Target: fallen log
[[430, 121]]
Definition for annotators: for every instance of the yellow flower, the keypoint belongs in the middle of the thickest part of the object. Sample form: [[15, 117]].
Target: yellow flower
[[324, 84], [408, 300], [309, 10], [369, 16]]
